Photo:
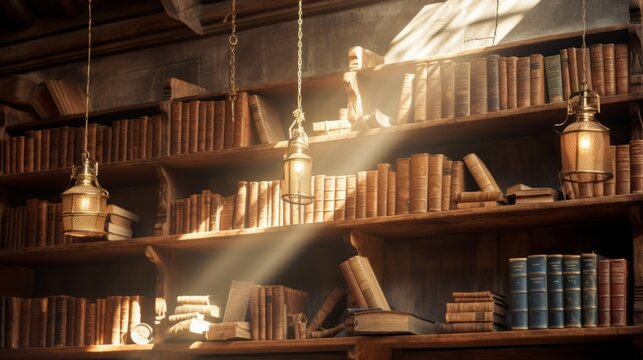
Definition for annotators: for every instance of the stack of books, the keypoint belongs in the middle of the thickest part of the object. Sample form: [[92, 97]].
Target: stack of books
[[273, 308], [523, 194], [119, 223], [193, 316], [475, 312]]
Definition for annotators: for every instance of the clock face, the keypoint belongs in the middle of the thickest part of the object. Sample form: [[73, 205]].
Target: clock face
[[141, 334]]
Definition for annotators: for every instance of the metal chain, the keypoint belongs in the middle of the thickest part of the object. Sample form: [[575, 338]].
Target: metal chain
[[232, 42], [299, 113], [89, 62], [584, 45]]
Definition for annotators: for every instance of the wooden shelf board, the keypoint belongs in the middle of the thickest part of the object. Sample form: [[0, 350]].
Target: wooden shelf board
[[85, 352], [269, 346]]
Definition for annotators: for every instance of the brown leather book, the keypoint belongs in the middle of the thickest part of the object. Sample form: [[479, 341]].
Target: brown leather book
[[242, 121], [402, 186], [329, 311], [405, 109], [20, 154], [63, 145], [71, 146], [275, 201], [419, 93], [285, 210], [41, 239], [622, 185], [216, 208], [51, 224], [502, 83], [124, 319], [318, 202], [76, 150], [31, 223], [263, 210], [143, 124], [390, 193], [92, 131], [382, 188], [147, 136], [434, 191], [480, 173], [37, 150], [618, 292], [254, 312], [241, 206], [461, 89], [45, 145], [229, 124], [329, 198], [12, 330], [523, 82], [115, 315], [340, 198], [90, 325], [60, 237], [446, 185], [25, 329], [132, 134], [478, 86], [71, 321], [371, 193], [185, 216], [585, 190], [157, 136], [201, 126], [195, 207], [447, 77], [582, 64], [478, 196], [266, 120], [599, 189], [512, 82], [269, 312], [574, 71], [636, 166], [418, 183], [252, 209], [610, 185], [60, 327], [597, 68], [185, 128], [433, 91], [35, 322], [368, 283], [537, 79], [351, 193], [193, 127], [609, 67], [209, 125], [50, 326], [219, 124], [475, 316], [227, 212], [465, 327], [360, 195], [262, 312], [116, 141], [309, 209], [13, 141], [176, 126], [493, 82], [80, 317], [279, 325], [99, 144], [565, 73], [604, 294], [123, 140], [204, 210], [101, 305], [475, 205]]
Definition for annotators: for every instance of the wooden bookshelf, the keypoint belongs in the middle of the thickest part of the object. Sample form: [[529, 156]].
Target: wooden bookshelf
[[85, 352]]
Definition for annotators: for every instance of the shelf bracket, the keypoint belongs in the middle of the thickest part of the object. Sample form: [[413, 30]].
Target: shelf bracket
[[637, 258], [166, 196], [636, 60], [372, 247], [161, 260]]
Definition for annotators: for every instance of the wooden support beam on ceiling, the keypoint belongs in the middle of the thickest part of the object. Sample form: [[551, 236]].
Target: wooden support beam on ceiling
[[18, 13]]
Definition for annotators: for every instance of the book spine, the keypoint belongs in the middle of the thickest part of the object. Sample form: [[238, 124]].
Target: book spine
[[556, 315], [493, 83], [480, 173], [90, 325], [185, 128], [419, 93], [252, 210], [597, 68], [240, 206], [622, 185], [51, 321], [194, 212], [604, 295], [618, 292], [351, 193], [262, 205], [20, 154], [340, 198], [636, 166], [44, 157], [464, 327], [565, 74], [371, 193], [460, 307], [418, 184], [469, 317], [502, 83], [41, 240], [433, 91], [29, 157], [309, 209], [572, 290], [589, 290], [457, 181], [523, 82], [537, 289], [209, 126], [269, 312], [621, 61], [446, 185], [519, 294], [329, 198], [242, 126], [132, 133], [219, 124], [390, 195], [478, 196], [279, 327], [319, 199], [60, 327], [462, 85], [12, 329], [123, 140], [478, 83], [609, 65], [512, 82], [537, 79], [254, 312], [37, 151], [405, 110], [402, 186], [447, 78], [553, 74], [434, 196], [202, 130], [80, 311], [360, 195]]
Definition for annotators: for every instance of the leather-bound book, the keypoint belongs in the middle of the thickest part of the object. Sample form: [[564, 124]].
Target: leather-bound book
[[50, 330], [351, 193], [519, 294], [31, 222], [478, 86], [240, 206], [318, 203], [35, 322], [419, 93], [618, 292], [262, 313], [461, 89], [285, 210], [418, 183], [446, 185], [382, 188], [610, 185], [12, 327], [157, 136], [589, 289], [405, 109], [554, 78], [572, 290], [116, 141], [636, 166], [585, 190], [269, 312], [252, 210], [51, 224], [209, 125], [574, 71], [480, 173], [622, 185], [80, 318], [193, 130], [597, 68], [523, 82], [143, 124], [41, 239], [29, 153], [434, 191], [502, 83], [71, 146], [371, 193], [360, 195], [604, 293], [176, 126], [309, 209], [565, 73], [447, 77], [201, 128], [44, 155], [537, 79], [329, 198], [598, 189], [242, 121], [147, 136], [185, 216], [329, 311], [609, 67], [368, 283], [90, 325], [537, 291], [493, 83], [254, 312], [194, 212], [71, 321], [204, 211], [512, 82], [132, 133], [13, 141], [60, 326], [583, 64], [60, 236], [390, 193], [20, 154], [477, 196], [262, 205], [266, 120], [340, 198], [99, 144], [37, 150], [123, 140], [63, 145], [433, 91], [219, 124], [402, 186], [186, 122], [216, 209], [556, 315]]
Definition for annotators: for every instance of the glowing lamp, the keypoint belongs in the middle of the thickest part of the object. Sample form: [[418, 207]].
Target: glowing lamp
[[297, 169]]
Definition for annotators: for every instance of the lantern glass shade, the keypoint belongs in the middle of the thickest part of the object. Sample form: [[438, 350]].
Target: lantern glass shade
[[297, 172], [585, 152], [84, 205]]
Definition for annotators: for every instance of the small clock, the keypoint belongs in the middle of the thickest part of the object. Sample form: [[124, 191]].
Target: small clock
[[141, 334]]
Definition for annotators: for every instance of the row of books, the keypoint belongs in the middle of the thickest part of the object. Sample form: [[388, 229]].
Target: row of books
[[273, 308], [557, 291], [447, 88], [627, 170], [71, 321], [474, 312], [39, 223]]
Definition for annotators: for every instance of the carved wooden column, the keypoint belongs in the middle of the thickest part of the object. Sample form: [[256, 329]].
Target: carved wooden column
[[165, 285], [637, 260]]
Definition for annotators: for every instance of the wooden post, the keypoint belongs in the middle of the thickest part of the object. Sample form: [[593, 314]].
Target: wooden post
[[166, 197], [165, 284], [637, 260]]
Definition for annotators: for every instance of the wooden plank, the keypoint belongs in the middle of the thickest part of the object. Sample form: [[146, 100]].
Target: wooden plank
[[89, 352], [260, 347], [370, 353]]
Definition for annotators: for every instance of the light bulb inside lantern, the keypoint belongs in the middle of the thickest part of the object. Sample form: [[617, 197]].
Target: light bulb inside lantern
[[84, 203], [298, 167], [585, 143]]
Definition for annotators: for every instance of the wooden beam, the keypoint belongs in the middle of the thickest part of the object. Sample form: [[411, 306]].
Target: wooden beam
[[637, 259], [18, 12], [185, 11]]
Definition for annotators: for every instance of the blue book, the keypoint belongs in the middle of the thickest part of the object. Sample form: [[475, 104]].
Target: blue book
[[537, 289], [556, 317], [519, 302], [572, 290], [589, 292]]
